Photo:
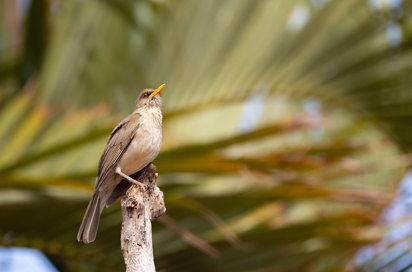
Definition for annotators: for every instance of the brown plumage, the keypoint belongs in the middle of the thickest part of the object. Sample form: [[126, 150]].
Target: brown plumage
[[133, 144]]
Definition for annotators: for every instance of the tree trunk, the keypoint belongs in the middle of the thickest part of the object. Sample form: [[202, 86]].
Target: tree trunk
[[140, 205]]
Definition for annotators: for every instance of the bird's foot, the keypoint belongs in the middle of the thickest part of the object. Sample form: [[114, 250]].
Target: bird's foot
[[129, 179]]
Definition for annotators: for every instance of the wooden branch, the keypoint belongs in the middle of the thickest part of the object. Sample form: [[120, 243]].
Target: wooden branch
[[140, 205]]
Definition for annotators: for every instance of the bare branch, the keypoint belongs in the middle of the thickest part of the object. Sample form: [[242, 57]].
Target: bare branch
[[140, 205]]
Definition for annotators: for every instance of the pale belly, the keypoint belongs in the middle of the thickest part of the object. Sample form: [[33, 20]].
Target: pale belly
[[143, 149]]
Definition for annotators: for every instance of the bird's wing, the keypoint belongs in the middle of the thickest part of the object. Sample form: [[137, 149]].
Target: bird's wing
[[120, 138]]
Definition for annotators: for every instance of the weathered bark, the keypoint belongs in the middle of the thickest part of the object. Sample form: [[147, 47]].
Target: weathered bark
[[140, 205]]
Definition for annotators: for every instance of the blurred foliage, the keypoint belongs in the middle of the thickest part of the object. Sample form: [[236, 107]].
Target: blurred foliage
[[284, 137], [393, 251]]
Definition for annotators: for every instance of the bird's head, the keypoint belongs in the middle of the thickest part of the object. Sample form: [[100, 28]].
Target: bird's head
[[150, 98]]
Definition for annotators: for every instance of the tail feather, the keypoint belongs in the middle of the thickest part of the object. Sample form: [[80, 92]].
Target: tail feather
[[120, 190], [88, 228]]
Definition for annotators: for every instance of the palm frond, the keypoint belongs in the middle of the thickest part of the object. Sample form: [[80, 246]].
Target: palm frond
[[298, 186]]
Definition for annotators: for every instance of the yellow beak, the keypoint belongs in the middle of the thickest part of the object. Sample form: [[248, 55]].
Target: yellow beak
[[157, 91]]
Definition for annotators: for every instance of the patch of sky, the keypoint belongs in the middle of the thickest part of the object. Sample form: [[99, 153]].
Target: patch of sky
[[381, 4], [18, 259], [391, 253], [313, 108], [252, 110], [318, 3], [394, 34], [299, 18]]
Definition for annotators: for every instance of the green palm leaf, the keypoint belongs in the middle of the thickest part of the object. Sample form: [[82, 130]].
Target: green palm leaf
[[298, 188]]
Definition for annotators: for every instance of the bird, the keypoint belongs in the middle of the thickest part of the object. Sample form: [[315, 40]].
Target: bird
[[132, 145]]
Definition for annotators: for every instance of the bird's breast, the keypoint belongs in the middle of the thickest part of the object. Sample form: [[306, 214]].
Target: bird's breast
[[145, 145]]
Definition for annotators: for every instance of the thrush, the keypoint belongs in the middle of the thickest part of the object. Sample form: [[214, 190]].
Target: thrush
[[133, 144]]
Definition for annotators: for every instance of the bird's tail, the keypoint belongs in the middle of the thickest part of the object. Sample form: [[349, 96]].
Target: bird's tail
[[90, 223]]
